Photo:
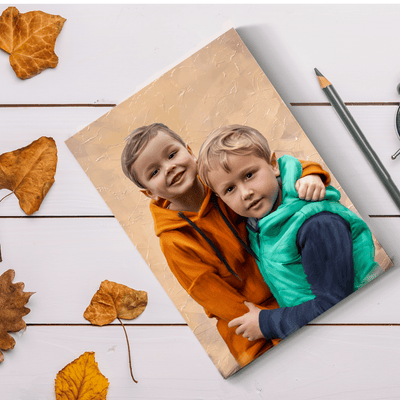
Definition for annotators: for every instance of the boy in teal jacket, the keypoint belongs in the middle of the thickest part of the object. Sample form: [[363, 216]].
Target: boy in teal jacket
[[311, 254]]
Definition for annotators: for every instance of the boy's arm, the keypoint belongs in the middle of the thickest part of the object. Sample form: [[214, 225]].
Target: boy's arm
[[248, 324], [326, 250], [310, 188], [204, 285], [311, 185], [219, 299], [313, 168]]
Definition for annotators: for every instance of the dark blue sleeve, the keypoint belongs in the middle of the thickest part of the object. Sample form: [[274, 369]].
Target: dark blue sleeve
[[326, 249]]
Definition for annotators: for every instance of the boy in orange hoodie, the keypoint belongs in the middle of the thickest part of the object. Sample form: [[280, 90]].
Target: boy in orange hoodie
[[203, 241]]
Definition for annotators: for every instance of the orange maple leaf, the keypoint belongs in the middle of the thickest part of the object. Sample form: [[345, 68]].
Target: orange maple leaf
[[81, 380], [30, 39], [12, 309], [29, 172], [114, 300]]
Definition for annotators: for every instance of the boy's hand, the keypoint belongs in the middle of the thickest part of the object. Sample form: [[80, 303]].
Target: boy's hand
[[310, 187], [248, 325]]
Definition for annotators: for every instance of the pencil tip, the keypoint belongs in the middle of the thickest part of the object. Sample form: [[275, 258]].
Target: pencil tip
[[323, 82], [317, 72]]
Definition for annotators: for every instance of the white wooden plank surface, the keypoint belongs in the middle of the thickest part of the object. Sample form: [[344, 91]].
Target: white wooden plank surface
[[108, 52], [64, 261], [72, 193], [351, 363]]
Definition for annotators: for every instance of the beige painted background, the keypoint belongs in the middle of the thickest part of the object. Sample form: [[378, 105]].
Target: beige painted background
[[220, 84]]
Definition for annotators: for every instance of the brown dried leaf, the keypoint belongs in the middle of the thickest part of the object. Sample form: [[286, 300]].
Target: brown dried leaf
[[81, 380], [29, 172], [114, 300], [30, 39], [12, 309]]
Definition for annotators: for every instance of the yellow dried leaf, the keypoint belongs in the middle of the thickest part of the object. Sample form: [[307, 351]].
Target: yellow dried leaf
[[114, 300], [12, 309], [30, 38], [29, 172], [81, 380]]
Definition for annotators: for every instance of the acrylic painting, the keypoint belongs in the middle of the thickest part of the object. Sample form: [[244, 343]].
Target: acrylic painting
[[217, 86]]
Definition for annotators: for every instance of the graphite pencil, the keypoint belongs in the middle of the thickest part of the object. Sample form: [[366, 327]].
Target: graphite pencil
[[355, 131]]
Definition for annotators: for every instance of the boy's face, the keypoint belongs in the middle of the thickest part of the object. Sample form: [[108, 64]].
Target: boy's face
[[166, 168], [251, 188]]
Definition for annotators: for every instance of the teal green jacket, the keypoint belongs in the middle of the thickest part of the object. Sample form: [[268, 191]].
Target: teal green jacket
[[274, 242]]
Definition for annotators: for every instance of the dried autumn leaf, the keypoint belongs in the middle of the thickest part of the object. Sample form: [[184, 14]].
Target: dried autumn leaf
[[12, 309], [30, 38], [29, 172], [114, 300], [81, 380]]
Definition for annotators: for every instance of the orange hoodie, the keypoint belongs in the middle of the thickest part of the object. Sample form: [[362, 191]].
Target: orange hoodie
[[220, 283]]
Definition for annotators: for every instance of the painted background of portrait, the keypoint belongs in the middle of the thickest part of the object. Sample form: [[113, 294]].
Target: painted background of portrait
[[221, 84]]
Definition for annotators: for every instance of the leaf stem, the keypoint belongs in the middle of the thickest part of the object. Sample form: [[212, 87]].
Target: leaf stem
[[9, 194], [129, 351]]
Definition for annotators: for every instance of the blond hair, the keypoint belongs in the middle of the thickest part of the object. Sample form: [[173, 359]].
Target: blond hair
[[231, 139], [135, 144]]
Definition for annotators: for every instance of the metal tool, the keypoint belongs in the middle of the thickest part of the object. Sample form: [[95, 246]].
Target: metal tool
[[397, 125]]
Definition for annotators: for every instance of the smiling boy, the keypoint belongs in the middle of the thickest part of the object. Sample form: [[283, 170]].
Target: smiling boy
[[177, 181], [203, 241], [311, 254]]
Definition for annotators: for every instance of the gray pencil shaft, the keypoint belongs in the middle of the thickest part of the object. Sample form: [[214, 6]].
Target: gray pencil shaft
[[362, 142]]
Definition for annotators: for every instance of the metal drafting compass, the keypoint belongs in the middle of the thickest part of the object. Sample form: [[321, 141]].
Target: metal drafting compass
[[397, 125]]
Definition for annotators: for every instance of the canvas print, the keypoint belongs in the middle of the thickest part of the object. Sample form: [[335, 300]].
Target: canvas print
[[229, 203]]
